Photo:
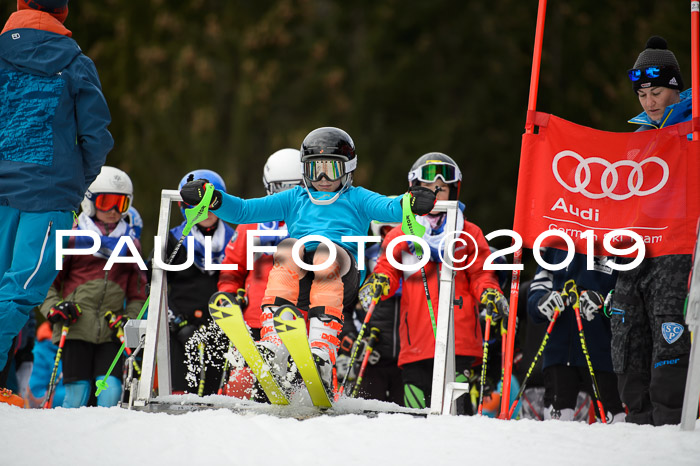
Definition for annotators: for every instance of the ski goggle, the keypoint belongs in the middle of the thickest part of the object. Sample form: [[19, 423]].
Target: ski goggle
[[106, 202], [330, 169], [279, 186], [429, 172], [650, 72]]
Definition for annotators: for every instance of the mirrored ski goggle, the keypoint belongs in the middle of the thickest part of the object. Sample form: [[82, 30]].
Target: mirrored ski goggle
[[649, 72], [324, 168], [106, 202], [429, 172], [279, 186]]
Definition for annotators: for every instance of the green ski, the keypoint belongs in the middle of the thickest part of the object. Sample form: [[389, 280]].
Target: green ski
[[229, 317], [291, 328]]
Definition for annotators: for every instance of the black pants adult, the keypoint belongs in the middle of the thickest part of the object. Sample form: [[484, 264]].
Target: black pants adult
[[567, 381], [650, 343]]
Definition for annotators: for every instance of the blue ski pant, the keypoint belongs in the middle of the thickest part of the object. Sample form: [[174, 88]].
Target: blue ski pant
[[27, 266]]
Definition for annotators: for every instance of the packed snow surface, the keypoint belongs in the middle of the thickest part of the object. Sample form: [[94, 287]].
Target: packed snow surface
[[270, 435]]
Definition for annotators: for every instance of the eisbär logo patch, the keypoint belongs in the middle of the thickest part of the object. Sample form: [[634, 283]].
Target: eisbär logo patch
[[671, 331]]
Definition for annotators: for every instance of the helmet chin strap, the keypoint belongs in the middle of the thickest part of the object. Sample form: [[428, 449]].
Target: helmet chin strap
[[348, 182]]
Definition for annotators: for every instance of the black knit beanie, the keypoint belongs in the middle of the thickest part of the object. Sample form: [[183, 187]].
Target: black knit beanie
[[656, 54]]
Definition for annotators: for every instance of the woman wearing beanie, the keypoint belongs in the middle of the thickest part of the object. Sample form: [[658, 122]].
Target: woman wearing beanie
[[650, 345], [53, 142]]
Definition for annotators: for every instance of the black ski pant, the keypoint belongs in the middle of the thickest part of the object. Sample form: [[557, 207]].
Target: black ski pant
[[567, 381], [650, 341], [382, 382]]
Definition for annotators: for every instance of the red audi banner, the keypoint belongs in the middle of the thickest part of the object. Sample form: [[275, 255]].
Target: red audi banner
[[574, 179]]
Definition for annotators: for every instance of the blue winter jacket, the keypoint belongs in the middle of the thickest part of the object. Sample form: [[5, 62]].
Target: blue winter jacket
[[349, 215], [674, 114], [564, 346], [53, 121]]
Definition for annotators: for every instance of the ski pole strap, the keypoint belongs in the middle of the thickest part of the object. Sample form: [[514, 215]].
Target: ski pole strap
[[430, 302], [570, 293], [409, 225]]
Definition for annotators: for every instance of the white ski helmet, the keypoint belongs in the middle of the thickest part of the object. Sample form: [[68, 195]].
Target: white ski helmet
[[110, 181], [282, 171]]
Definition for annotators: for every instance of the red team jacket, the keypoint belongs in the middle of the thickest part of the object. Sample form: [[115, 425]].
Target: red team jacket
[[416, 330], [253, 281]]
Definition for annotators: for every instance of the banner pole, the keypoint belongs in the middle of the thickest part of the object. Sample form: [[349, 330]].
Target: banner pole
[[536, 59], [518, 256], [695, 64]]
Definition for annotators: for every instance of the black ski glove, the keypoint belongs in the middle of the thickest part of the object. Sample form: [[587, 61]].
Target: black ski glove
[[422, 200], [495, 304], [65, 312], [115, 321], [193, 192], [591, 304]]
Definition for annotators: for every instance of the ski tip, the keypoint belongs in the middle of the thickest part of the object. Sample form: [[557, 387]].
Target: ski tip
[[222, 305], [288, 312]]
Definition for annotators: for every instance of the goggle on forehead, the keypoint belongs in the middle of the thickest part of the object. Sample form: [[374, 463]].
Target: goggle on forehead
[[108, 201], [429, 172], [650, 72], [331, 169], [279, 186]]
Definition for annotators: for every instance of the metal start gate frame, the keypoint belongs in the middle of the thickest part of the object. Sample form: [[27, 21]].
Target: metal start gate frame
[[156, 346]]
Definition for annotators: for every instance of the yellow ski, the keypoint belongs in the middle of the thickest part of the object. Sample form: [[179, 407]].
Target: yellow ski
[[229, 317], [291, 328]]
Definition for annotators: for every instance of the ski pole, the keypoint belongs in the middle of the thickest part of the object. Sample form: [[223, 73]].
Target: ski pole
[[53, 382], [570, 289], [356, 345], [373, 339], [545, 339], [203, 369], [410, 226], [220, 391], [484, 359], [194, 215]]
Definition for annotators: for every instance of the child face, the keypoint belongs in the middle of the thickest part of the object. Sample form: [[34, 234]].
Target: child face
[[324, 185], [209, 221], [443, 194], [108, 217]]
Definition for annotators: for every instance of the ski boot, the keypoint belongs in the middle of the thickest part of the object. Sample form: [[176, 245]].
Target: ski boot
[[271, 347], [325, 368]]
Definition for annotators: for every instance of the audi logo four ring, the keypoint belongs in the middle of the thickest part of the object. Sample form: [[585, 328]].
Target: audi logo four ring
[[609, 177]]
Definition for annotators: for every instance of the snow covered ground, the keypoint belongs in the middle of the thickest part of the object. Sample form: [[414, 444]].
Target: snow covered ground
[[116, 436]]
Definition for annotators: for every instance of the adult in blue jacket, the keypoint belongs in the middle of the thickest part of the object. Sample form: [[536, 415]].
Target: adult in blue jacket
[[53, 142], [565, 368], [650, 344]]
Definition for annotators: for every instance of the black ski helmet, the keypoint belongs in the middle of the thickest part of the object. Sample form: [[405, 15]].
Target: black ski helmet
[[429, 165], [329, 143]]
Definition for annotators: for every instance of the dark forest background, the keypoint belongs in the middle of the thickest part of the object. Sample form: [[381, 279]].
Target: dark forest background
[[222, 84]]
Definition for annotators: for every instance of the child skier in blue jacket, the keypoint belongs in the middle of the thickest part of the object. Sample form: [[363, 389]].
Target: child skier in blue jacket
[[327, 205]]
